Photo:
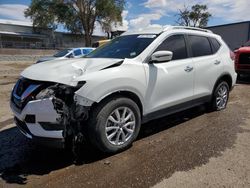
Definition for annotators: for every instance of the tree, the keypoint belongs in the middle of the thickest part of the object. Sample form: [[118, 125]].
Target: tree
[[198, 16], [78, 16]]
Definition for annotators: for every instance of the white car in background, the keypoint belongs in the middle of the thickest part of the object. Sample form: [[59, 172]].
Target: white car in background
[[67, 53], [136, 77]]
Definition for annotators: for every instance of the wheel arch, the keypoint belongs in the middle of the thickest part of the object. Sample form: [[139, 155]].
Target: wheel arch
[[123, 93], [224, 77]]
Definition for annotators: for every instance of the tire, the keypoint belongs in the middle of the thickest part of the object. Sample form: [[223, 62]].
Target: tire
[[107, 131], [220, 96]]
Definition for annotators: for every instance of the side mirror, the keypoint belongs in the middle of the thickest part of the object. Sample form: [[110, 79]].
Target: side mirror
[[161, 56], [70, 55]]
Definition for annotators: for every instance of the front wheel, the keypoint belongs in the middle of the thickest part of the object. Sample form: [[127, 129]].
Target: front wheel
[[114, 124]]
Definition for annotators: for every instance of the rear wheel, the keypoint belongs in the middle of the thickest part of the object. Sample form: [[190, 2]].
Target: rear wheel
[[220, 96], [114, 124]]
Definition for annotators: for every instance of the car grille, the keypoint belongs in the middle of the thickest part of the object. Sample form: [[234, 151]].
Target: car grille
[[24, 91], [244, 58]]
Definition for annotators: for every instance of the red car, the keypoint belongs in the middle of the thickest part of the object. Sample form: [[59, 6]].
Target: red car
[[242, 59]]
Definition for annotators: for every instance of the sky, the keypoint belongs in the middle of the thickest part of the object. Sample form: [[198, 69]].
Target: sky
[[150, 13]]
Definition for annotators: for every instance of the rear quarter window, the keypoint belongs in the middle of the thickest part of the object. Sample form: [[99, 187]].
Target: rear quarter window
[[200, 46], [215, 44]]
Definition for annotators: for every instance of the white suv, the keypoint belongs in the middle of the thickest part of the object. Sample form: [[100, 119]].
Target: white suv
[[139, 76]]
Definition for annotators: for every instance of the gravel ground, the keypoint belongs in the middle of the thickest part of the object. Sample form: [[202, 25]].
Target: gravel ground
[[23, 58], [188, 149]]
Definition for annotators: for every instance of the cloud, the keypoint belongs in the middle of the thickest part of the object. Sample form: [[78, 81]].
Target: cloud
[[13, 12], [230, 10], [225, 9], [98, 30], [122, 27], [166, 6], [125, 23], [145, 21]]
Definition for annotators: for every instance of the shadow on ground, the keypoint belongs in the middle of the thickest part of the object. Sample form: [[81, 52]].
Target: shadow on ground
[[20, 158], [243, 79]]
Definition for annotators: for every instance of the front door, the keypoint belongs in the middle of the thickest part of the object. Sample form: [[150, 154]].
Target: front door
[[170, 83]]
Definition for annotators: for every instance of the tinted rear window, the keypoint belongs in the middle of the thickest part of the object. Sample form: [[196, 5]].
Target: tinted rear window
[[200, 46]]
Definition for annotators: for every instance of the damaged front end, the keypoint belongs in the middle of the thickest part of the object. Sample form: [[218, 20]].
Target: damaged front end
[[48, 110]]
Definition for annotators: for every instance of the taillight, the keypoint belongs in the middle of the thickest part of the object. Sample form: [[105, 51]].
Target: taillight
[[236, 58], [232, 55]]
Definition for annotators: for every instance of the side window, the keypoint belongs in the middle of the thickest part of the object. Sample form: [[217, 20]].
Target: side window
[[77, 52], [200, 46], [86, 51], [175, 44], [215, 45]]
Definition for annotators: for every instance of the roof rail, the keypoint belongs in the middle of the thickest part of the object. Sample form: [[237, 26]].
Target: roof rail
[[190, 28]]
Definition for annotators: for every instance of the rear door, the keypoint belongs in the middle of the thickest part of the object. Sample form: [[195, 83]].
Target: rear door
[[207, 64]]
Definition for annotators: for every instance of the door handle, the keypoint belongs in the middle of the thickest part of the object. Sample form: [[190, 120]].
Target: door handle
[[188, 68], [217, 62]]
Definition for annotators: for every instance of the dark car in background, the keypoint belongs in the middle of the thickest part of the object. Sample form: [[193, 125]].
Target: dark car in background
[[242, 59]]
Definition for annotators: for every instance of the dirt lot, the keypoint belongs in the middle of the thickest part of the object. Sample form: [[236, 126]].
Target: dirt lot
[[188, 149]]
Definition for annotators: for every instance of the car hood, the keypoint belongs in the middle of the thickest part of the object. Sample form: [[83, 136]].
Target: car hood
[[66, 71]]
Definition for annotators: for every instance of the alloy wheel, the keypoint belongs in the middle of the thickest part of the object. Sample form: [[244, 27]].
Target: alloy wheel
[[120, 126]]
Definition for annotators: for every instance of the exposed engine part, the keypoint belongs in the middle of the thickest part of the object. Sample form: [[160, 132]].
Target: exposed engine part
[[72, 114]]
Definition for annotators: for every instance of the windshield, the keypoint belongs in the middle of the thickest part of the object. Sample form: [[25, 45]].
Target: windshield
[[247, 43], [62, 53], [128, 46]]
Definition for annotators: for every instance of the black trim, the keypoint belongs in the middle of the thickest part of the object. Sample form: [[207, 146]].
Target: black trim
[[22, 126], [188, 46], [176, 108], [113, 65], [51, 126], [30, 118]]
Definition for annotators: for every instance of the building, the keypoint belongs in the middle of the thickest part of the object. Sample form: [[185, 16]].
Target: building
[[234, 34], [18, 34]]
